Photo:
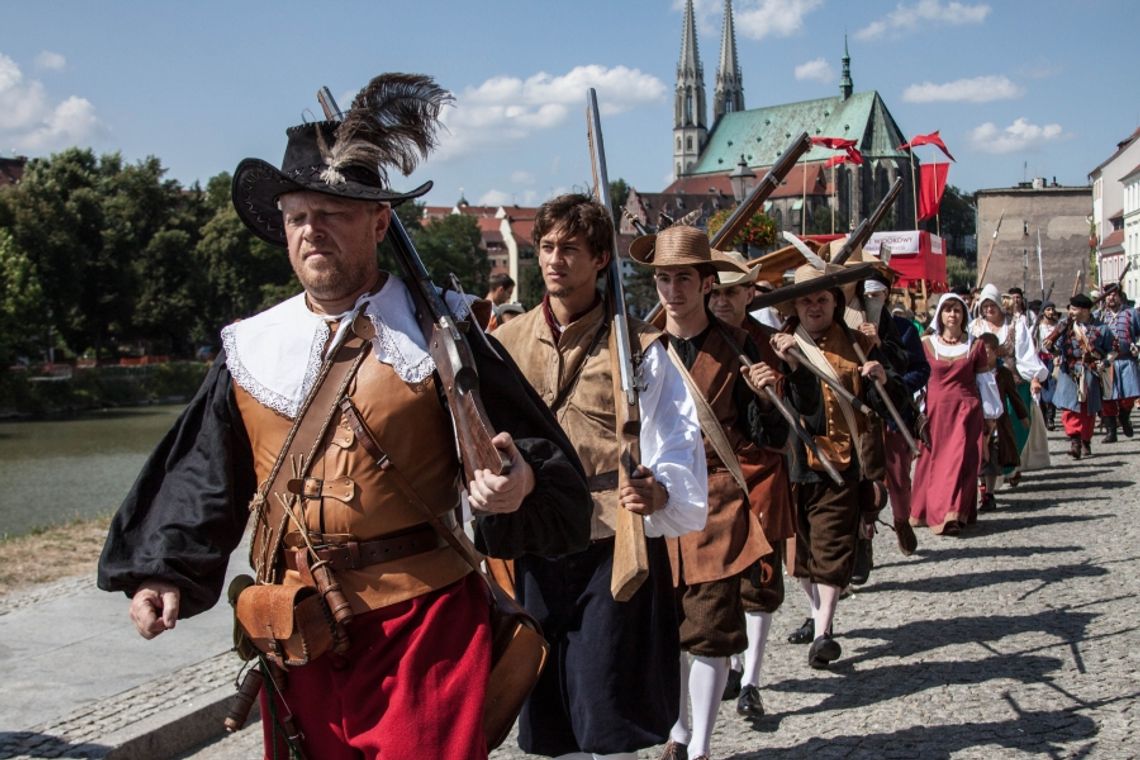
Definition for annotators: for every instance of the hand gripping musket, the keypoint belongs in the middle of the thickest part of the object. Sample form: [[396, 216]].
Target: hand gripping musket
[[784, 411], [447, 346], [631, 558]]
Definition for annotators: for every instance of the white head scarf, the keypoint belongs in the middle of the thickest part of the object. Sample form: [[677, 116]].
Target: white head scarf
[[946, 297]]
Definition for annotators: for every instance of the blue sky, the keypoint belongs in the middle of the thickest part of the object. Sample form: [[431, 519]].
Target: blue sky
[[1019, 88]]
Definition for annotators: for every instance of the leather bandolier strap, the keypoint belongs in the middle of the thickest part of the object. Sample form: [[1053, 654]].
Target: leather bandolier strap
[[301, 447]]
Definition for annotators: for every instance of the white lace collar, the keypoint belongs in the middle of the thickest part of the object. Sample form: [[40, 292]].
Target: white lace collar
[[276, 355]]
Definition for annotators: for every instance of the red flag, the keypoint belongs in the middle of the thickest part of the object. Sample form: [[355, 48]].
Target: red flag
[[931, 186], [835, 143], [852, 156], [930, 139]]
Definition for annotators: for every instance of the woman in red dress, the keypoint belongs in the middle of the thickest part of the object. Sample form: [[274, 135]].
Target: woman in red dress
[[945, 476]]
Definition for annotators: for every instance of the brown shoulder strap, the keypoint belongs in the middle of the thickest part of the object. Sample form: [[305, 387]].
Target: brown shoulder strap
[[302, 443]]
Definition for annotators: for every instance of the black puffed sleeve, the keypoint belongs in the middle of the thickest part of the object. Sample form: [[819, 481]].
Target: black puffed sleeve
[[187, 510]]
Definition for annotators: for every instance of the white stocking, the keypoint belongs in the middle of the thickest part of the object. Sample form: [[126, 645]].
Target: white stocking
[[615, 756], [682, 730], [757, 624], [706, 685], [812, 595], [828, 599]]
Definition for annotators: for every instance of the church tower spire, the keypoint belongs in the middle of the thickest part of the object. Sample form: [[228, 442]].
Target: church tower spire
[[728, 94], [689, 125], [845, 85]]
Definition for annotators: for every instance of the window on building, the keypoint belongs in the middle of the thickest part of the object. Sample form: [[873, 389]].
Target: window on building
[[688, 143]]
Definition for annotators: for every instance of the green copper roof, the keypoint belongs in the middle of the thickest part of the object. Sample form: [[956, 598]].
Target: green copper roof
[[761, 134]]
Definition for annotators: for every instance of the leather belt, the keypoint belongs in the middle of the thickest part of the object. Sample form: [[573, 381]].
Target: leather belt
[[353, 555], [603, 481]]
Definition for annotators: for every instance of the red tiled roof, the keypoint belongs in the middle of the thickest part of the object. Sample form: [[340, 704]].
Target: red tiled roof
[[1116, 237], [793, 185]]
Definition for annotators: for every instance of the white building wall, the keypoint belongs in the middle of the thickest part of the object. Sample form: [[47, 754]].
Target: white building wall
[[1131, 195]]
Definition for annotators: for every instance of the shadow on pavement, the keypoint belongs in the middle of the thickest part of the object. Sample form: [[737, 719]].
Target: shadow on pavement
[[924, 635], [967, 581], [965, 551], [1037, 731], [32, 744], [1031, 487]]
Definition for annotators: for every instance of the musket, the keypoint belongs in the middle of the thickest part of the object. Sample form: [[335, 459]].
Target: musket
[[784, 411], [1077, 282], [631, 557], [765, 187], [893, 410], [447, 346], [755, 200], [990, 252], [866, 227]]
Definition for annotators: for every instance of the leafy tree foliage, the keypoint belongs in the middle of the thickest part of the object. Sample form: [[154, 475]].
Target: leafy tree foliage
[[21, 302]]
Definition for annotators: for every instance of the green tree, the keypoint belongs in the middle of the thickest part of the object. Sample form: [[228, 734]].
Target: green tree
[[454, 244], [959, 272], [956, 222], [22, 329], [167, 300]]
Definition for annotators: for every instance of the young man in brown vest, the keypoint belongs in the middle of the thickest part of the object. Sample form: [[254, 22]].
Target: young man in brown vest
[[608, 690], [829, 516], [410, 672], [769, 488], [740, 426]]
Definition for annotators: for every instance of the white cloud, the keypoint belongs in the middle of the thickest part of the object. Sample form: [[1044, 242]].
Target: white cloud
[[51, 61], [908, 18], [494, 198], [819, 70], [777, 18], [522, 177], [28, 120], [977, 90], [510, 108], [1018, 136]]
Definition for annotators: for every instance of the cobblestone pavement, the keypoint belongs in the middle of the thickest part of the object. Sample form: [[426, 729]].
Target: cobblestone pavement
[[1018, 639]]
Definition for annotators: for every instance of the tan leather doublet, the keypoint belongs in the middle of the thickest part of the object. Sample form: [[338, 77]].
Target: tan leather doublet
[[356, 499], [733, 537], [588, 413]]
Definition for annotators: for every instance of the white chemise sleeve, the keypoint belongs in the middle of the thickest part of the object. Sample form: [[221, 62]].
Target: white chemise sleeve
[[992, 407], [671, 447], [1029, 364]]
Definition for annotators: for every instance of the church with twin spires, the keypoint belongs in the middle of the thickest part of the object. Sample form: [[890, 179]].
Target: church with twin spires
[[705, 153]]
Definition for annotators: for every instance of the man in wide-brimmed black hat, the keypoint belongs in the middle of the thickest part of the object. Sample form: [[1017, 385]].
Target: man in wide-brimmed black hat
[[1079, 349], [1123, 382], [359, 480]]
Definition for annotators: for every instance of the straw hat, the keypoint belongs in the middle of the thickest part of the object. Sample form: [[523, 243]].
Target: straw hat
[[729, 279], [681, 246]]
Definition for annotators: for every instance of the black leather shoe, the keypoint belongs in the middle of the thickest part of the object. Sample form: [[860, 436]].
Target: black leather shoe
[[804, 634], [1086, 448], [864, 561], [1110, 436], [749, 703], [732, 685], [1075, 447], [823, 652], [908, 542], [1126, 423]]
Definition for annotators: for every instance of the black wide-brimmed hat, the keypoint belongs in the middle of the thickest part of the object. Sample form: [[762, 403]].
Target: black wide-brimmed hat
[[392, 122], [1081, 301]]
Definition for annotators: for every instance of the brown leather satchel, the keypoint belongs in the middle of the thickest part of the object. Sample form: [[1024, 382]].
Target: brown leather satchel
[[290, 625]]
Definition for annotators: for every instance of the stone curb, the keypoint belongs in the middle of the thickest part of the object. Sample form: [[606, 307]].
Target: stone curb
[[162, 718]]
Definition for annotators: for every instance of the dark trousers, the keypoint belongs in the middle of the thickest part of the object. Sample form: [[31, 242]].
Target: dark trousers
[[612, 683]]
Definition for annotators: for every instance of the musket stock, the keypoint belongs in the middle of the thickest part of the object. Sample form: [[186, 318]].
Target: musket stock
[[631, 557]]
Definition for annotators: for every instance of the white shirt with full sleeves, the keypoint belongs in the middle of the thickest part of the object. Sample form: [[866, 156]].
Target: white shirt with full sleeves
[[671, 447]]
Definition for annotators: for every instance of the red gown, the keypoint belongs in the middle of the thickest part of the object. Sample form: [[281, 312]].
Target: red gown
[[946, 475]]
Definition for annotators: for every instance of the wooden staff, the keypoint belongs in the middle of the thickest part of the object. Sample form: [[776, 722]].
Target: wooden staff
[[836, 387], [891, 408], [990, 252]]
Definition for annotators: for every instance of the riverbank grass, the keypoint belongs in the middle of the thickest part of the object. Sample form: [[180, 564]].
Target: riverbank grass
[[50, 554]]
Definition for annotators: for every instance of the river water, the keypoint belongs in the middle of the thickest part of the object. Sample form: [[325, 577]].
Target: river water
[[56, 471]]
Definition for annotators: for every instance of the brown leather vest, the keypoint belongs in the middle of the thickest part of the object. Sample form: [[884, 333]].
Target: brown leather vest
[[358, 500], [587, 413], [840, 353], [732, 538]]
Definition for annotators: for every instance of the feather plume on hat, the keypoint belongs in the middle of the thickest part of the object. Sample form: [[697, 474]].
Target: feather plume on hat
[[393, 121]]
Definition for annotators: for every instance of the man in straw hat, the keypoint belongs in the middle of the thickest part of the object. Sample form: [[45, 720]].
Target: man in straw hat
[[739, 426], [769, 491], [611, 688], [829, 516], [412, 654]]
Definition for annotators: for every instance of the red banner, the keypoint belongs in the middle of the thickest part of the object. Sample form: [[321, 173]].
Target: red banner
[[931, 139], [931, 186]]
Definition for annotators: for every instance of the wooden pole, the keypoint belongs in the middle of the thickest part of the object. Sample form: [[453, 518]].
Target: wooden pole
[[803, 206], [914, 185], [834, 196], [990, 252]]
